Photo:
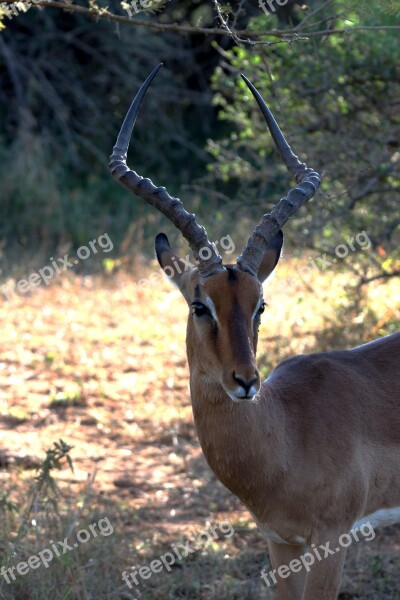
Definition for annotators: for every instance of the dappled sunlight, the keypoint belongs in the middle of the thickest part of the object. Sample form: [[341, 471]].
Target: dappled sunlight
[[100, 362]]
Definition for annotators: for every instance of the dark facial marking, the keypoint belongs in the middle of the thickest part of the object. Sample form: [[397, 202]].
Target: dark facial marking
[[231, 274], [239, 336]]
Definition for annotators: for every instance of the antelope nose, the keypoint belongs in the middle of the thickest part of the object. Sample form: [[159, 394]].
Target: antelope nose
[[245, 383]]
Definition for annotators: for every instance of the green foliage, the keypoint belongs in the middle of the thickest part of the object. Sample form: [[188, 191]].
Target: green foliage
[[336, 101], [44, 492], [66, 83], [6, 504], [376, 9], [54, 460], [335, 97]]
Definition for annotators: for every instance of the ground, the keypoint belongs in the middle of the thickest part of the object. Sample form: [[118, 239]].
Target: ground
[[100, 363]]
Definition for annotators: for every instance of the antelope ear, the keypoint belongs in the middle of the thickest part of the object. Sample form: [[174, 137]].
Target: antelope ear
[[173, 266], [271, 257]]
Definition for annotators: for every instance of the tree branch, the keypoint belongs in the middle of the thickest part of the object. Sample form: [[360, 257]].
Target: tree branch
[[366, 280], [248, 36]]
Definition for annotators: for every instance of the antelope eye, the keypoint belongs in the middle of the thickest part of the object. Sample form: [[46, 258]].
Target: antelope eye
[[199, 309], [261, 309]]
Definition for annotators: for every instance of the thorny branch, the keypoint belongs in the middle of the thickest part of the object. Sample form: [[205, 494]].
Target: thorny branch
[[248, 36]]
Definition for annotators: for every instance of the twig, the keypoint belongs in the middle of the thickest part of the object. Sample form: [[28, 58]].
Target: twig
[[365, 280], [311, 14], [288, 35]]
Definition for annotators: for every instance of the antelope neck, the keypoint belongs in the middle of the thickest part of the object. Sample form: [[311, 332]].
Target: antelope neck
[[234, 436]]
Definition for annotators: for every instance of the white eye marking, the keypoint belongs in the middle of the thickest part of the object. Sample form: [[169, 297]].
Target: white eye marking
[[210, 305]]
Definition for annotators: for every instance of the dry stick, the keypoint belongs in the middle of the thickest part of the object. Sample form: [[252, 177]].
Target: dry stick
[[365, 280], [237, 13], [224, 23], [287, 35], [311, 14]]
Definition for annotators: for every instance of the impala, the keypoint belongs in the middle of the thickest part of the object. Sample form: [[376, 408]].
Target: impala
[[314, 450]]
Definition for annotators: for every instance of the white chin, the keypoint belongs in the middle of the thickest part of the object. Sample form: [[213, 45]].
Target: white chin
[[240, 399]]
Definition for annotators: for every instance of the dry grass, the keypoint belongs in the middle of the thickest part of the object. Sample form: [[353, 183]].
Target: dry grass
[[100, 363]]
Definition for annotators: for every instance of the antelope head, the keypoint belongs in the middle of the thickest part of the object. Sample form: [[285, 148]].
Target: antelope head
[[225, 301]]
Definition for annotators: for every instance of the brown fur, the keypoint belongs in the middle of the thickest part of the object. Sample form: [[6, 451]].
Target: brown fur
[[315, 450]]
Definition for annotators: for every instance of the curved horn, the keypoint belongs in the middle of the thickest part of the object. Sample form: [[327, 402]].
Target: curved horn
[[308, 183], [208, 261]]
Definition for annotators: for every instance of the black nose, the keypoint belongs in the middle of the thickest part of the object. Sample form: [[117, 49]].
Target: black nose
[[245, 384]]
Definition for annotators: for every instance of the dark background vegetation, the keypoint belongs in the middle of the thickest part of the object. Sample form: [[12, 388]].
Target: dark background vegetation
[[66, 83]]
